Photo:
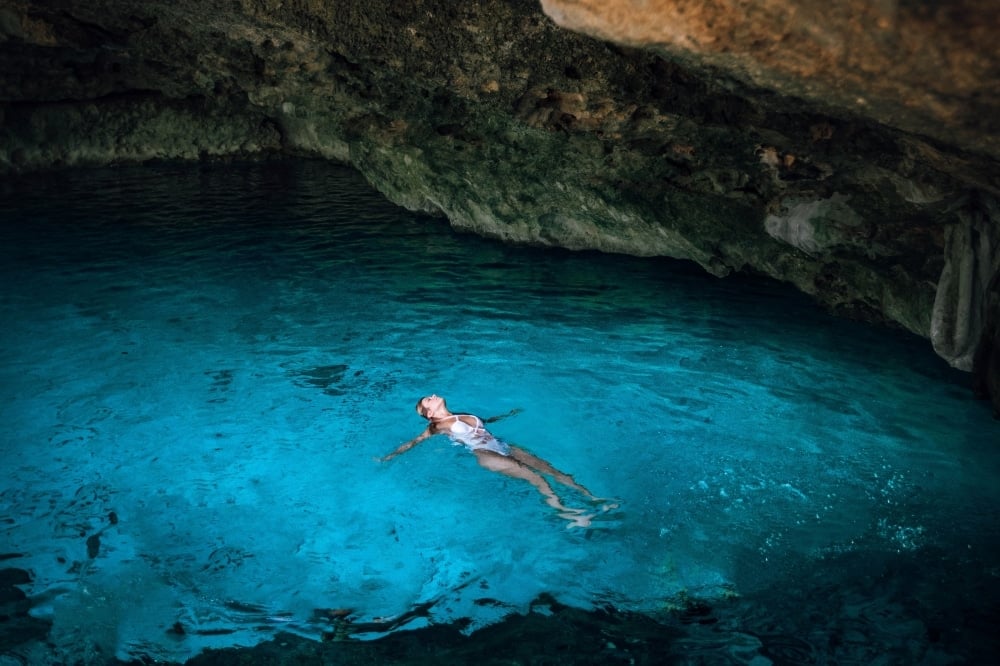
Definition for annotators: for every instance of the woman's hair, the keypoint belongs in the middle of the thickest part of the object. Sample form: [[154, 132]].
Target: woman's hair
[[422, 399]]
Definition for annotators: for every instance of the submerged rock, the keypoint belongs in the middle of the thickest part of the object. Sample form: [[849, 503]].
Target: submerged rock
[[562, 635], [17, 627]]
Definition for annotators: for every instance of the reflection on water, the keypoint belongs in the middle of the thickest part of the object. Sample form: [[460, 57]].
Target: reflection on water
[[199, 365]]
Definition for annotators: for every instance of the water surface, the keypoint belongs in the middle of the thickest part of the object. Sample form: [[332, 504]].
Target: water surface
[[200, 364]]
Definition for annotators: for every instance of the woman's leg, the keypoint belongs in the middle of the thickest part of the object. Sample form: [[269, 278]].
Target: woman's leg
[[536, 463], [512, 468]]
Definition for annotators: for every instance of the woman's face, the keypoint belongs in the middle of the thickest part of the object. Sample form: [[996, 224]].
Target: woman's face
[[430, 405]]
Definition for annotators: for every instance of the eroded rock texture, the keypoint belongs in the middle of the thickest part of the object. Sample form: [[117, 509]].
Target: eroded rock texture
[[850, 148]]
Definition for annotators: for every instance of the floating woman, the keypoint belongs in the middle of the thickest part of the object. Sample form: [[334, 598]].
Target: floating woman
[[497, 455]]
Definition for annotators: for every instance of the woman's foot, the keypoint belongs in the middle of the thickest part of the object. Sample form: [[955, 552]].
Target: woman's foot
[[576, 518], [606, 504]]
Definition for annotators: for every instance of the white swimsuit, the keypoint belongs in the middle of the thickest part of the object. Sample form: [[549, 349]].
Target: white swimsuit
[[475, 437]]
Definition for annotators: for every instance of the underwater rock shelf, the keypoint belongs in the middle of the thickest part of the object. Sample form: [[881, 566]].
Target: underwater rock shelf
[[893, 615]]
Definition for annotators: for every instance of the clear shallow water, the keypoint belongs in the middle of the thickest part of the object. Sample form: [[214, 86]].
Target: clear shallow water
[[216, 355]]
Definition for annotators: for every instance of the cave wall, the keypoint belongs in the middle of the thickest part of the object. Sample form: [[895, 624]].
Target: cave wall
[[848, 148]]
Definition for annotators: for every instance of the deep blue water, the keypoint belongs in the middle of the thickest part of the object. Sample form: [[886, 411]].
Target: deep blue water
[[200, 364]]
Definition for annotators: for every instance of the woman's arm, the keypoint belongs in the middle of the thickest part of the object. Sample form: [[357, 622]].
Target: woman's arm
[[494, 419], [403, 448]]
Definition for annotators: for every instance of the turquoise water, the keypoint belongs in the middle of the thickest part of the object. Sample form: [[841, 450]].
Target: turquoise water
[[200, 365]]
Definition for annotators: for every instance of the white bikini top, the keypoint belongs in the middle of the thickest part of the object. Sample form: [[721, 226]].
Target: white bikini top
[[462, 431]]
